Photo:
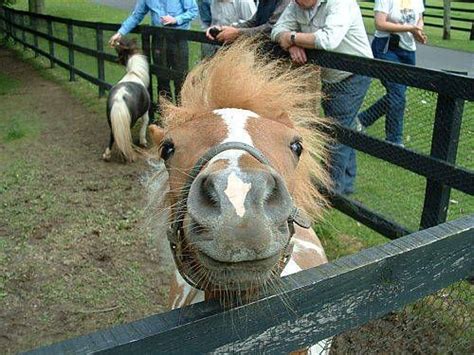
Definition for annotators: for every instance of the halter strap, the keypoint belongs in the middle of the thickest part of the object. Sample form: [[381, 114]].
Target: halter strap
[[175, 232]]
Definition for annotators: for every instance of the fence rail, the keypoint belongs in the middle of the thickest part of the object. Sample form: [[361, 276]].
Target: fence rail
[[438, 168], [313, 305]]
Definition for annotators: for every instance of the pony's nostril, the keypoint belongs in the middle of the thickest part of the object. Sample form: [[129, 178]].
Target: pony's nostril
[[209, 196]]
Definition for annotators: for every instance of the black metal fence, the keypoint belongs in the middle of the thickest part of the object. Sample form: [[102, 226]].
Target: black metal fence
[[448, 93]]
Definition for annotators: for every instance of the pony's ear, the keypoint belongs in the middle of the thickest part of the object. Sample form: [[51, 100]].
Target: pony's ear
[[157, 133], [284, 118]]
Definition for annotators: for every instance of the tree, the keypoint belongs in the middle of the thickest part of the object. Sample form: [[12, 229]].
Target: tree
[[447, 19], [36, 6]]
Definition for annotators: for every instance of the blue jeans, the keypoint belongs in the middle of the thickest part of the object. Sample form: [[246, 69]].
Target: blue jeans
[[341, 101], [392, 104]]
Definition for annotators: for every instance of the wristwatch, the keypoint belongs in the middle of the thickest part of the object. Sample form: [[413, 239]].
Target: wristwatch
[[293, 37]]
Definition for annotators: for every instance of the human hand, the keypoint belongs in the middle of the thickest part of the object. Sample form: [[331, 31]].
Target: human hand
[[298, 55], [420, 37], [115, 38], [168, 20], [228, 34], [285, 40], [211, 32]]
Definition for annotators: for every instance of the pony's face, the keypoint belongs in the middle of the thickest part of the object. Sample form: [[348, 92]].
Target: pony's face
[[125, 48], [236, 222]]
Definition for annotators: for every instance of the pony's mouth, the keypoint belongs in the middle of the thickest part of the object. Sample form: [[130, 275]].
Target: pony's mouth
[[244, 276]]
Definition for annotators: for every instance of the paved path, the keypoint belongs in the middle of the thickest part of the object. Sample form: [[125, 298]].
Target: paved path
[[427, 56]]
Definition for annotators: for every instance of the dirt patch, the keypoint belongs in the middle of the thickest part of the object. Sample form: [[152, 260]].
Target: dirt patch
[[72, 256]]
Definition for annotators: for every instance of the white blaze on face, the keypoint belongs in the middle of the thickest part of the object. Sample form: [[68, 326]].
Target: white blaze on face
[[236, 191], [235, 120]]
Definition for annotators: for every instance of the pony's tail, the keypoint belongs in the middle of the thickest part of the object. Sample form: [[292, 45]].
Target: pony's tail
[[120, 120]]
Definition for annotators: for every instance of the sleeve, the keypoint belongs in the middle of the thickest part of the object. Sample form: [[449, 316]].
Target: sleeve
[[286, 22], [205, 13], [247, 9], [421, 7], [190, 12], [382, 6], [139, 12], [267, 27], [336, 25]]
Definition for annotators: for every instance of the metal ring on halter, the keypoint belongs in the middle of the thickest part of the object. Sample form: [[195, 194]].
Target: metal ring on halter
[[175, 232]]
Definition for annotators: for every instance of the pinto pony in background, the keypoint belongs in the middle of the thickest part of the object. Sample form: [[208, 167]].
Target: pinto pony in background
[[234, 179], [128, 100]]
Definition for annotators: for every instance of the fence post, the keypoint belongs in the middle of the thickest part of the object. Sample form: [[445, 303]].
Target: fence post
[[447, 19], [23, 32], [444, 145], [471, 37], [99, 34], [70, 40], [147, 50], [51, 43], [35, 37]]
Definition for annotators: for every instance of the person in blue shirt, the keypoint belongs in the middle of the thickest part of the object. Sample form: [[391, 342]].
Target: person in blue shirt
[[170, 54]]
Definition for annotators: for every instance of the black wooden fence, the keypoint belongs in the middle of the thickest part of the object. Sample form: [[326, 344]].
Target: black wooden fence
[[324, 301], [439, 168], [313, 305]]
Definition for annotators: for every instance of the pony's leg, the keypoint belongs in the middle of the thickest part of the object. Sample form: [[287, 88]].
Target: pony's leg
[[108, 151], [145, 120]]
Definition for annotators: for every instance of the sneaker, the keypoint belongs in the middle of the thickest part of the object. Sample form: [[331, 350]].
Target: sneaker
[[359, 127]]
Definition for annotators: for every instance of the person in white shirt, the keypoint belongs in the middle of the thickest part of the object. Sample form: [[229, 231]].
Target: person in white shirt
[[399, 25], [337, 26]]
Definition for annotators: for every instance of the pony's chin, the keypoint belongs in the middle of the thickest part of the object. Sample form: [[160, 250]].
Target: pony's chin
[[245, 276]]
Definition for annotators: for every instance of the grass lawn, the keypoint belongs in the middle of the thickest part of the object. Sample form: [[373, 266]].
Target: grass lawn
[[389, 190]]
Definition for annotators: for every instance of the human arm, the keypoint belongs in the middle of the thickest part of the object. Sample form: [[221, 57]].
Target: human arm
[[190, 12], [283, 27], [250, 28], [139, 12], [382, 24]]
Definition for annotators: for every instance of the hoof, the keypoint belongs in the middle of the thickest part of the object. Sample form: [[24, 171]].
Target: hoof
[[106, 157]]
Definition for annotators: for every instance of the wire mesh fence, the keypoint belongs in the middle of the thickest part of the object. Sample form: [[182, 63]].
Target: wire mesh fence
[[438, 324]]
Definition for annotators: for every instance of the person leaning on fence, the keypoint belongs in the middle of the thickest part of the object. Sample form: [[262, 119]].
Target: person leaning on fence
[[228, 12], [398, 23], [337, 26], [170, 54], [262, 22]]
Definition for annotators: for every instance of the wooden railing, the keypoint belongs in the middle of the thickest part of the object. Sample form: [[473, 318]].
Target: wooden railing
[[313, 304]]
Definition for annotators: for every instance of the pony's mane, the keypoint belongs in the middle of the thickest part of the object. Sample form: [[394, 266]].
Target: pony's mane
[[240, 76], [138, 65]]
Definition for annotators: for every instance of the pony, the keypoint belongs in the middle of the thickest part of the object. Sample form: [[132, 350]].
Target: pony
[[128, 100], [233, 182]]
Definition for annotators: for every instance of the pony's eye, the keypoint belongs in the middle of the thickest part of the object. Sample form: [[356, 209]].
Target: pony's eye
[[167, 150], [296, 148]]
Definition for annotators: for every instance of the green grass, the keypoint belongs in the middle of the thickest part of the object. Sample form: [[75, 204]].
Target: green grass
[[7, 84]]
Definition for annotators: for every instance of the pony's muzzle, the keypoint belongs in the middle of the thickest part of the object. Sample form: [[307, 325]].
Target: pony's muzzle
[[239, 215]]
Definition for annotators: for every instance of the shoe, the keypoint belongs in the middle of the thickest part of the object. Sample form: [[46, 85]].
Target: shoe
[[359, 127]]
